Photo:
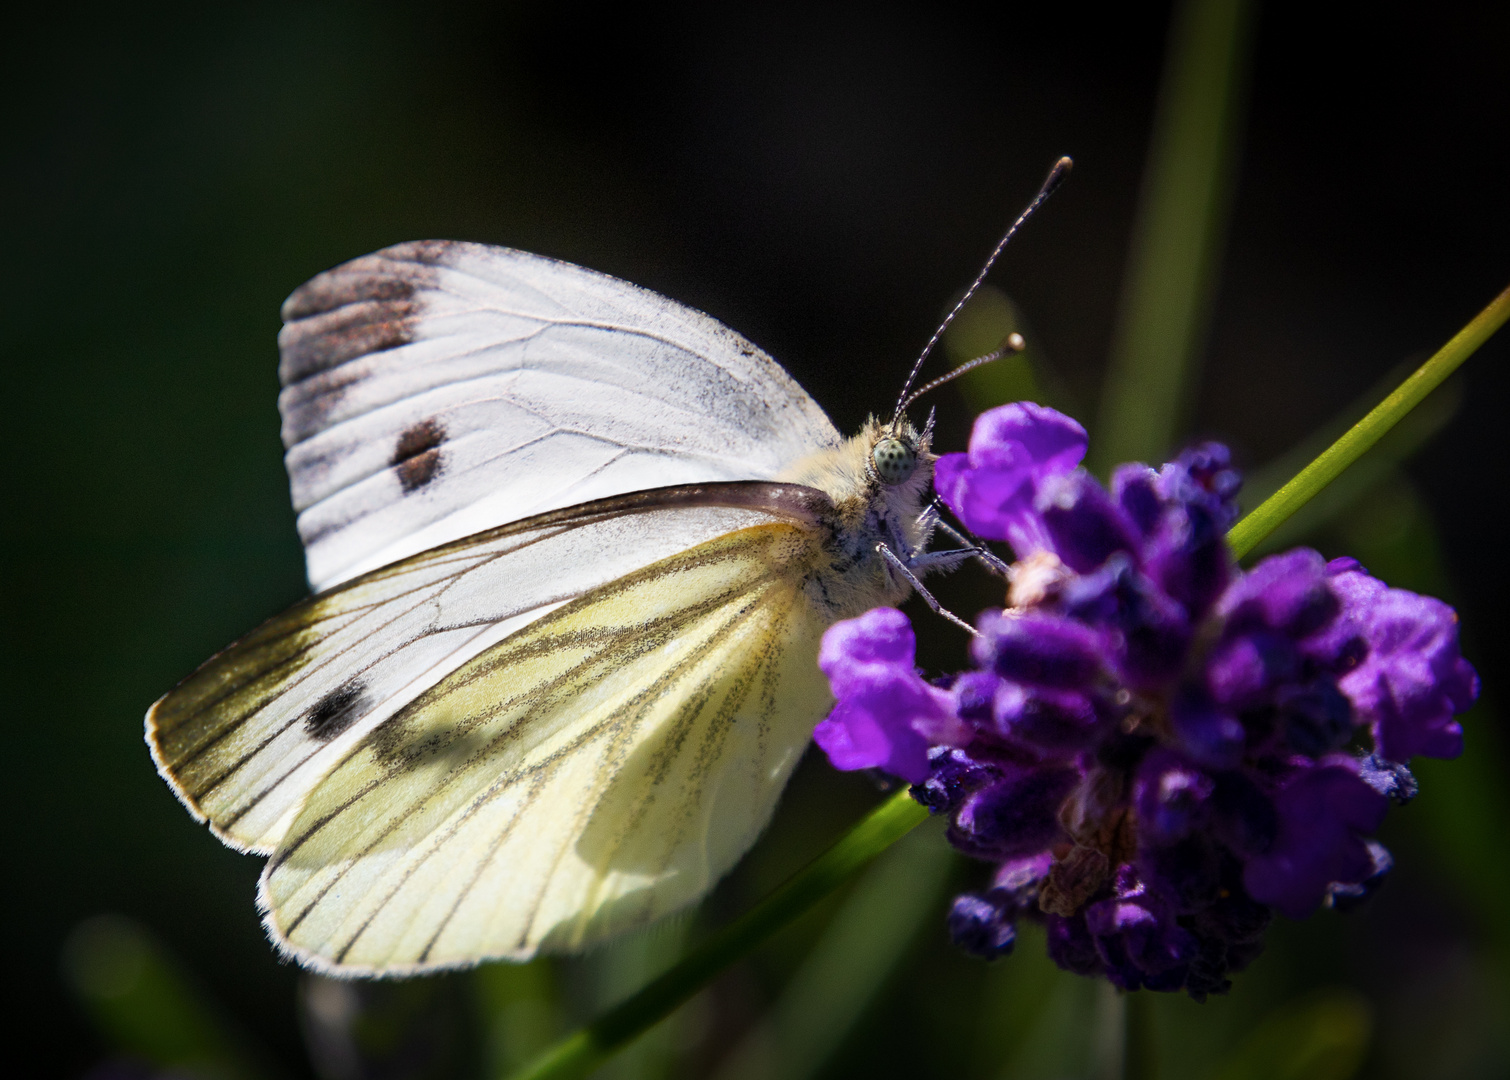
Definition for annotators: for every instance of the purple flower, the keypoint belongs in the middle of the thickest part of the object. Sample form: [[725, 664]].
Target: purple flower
[[1152, 744], [1140, 941], [1015, 815], [886, 713], [1324, 811], [1410, 679], [983, 924], [1170, 796], [993, 487]]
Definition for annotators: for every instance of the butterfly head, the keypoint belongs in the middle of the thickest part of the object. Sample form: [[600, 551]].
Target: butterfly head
[[879, 482], [896, 467], [897, 453]]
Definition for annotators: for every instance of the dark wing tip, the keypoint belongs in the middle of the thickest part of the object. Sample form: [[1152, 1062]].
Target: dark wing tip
[[392, 273], [367, 305]]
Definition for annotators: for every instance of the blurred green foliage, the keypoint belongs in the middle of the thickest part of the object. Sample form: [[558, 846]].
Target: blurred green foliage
[[1178, 234], [148, 1007]]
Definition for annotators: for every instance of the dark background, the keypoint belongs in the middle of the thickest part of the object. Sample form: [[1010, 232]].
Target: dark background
[[823, 180]]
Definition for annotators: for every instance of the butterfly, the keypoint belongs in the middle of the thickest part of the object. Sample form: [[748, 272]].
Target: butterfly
[[573, 548]]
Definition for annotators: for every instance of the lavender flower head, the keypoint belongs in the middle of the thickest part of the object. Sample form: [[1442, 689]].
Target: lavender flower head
[[1155, 748]]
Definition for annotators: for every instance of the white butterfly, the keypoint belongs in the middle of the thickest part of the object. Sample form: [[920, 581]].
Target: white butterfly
[[574, 546]]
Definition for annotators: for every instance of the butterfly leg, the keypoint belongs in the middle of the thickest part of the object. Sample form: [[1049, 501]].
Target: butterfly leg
[[905, 570], [932, 519]]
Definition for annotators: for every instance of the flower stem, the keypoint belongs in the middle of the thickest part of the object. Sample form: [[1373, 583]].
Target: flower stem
[[1251, 530], [1139, 1057], [588, 1047]]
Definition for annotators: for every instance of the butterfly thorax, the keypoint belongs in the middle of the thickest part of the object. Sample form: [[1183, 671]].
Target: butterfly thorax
[[867, 512]]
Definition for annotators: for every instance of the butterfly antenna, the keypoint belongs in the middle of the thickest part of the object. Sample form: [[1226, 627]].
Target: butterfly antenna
[[1013, 344], [1056, 177]]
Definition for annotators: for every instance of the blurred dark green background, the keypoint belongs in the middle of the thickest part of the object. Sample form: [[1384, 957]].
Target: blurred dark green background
[[825, 180]]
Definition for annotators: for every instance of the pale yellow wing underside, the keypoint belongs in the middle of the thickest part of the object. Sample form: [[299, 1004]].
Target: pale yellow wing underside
[[245, 738], [597, 769]]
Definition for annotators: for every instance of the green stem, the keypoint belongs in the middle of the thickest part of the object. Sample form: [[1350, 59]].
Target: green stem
[[1139, 1054], [1249, 532], [588, 1047]]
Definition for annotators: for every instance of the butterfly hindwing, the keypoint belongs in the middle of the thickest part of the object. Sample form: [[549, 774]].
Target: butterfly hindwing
[[436, 389], [596, 770]]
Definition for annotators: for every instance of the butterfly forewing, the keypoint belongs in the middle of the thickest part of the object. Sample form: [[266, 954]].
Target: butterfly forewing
[[436, 389], [243, 739], [597, 769]]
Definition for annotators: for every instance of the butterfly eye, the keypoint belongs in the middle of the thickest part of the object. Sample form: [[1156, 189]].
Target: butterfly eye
[[894, 460]]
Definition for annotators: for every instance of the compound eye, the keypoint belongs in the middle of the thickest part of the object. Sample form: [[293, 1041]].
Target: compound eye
[[895, 460]]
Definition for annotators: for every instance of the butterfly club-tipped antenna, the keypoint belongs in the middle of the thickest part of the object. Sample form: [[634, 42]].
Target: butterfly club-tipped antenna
[[1051, 183], [1013, 344]]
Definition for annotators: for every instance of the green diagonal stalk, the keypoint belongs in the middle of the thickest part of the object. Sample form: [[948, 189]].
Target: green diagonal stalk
[[1269, 515], [588, 1047]]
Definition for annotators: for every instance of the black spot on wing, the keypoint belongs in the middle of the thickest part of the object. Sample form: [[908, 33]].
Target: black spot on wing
[[417, 455], [335, 712]]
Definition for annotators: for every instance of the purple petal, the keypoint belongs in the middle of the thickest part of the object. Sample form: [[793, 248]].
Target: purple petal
[[1019, 877], [1018, 815], [982, 924], [1012, 449], [1245, 667], [953, 774], [854, 737], [1203, 476], [1038, 649], [1137, 934], [1205, 731], [1288, 593], [1058, 721], [1071, 946], [1187, 555], [1389, 778], [1151, 630], [1315, 718], [1412, 681], [1083, 525], [1244, 817], [1052, 441], [1170, 796], [885, 711], [1135, 491], [1322, 813], [881, 636], [1350, 895]]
